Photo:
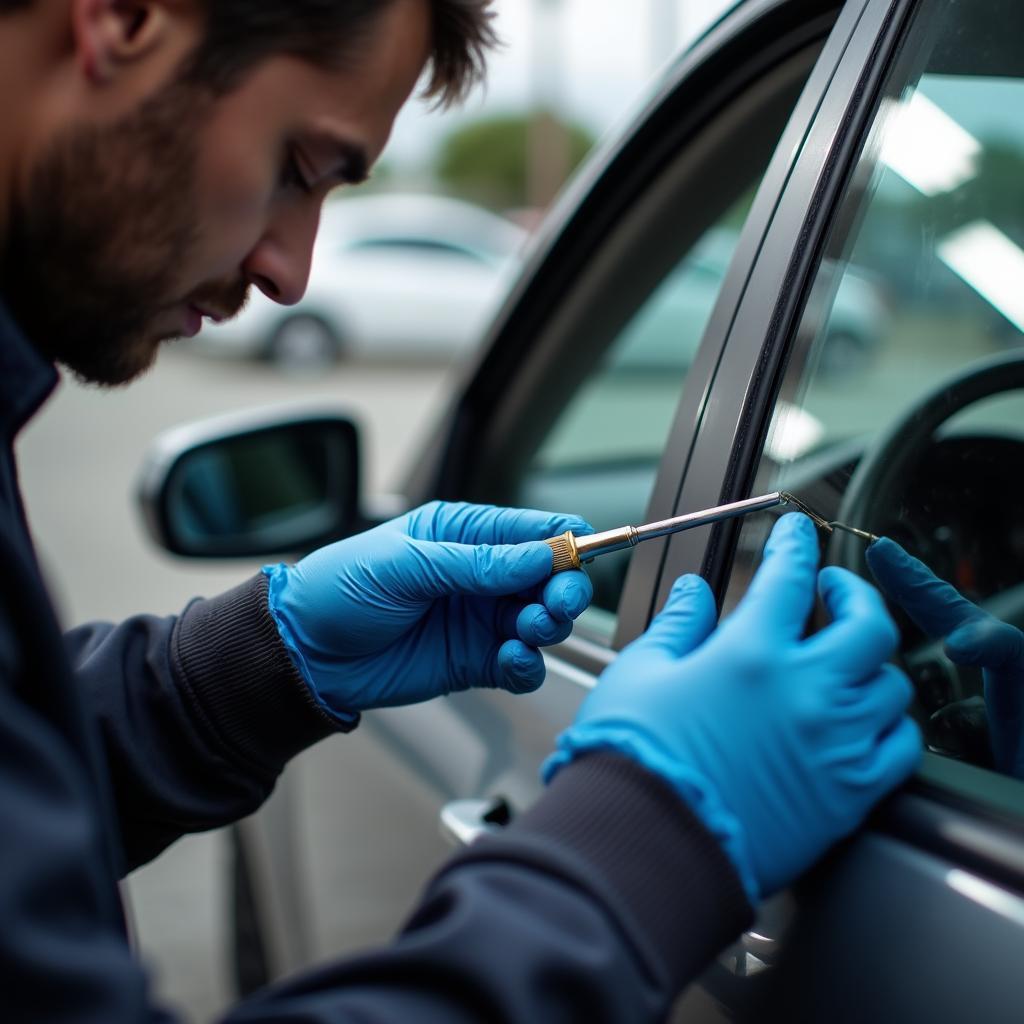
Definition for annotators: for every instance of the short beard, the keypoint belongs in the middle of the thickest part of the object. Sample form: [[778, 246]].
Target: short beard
[[95, 250]]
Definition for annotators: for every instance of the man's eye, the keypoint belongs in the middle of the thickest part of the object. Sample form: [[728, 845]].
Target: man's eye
[[292, 176]]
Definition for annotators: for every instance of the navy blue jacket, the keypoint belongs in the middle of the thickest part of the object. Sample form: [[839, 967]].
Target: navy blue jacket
[[599, 904]]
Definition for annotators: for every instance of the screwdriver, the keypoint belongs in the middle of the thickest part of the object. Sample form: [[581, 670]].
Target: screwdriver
[[570, 551]]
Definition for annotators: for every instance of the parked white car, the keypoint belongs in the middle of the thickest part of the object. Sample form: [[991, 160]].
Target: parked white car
[[392, 275]]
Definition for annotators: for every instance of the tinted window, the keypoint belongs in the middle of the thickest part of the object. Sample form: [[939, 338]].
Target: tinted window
[[602, 452], [593, 432]]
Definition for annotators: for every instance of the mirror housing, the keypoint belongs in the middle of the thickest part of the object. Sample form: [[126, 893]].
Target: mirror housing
[[254, 484]]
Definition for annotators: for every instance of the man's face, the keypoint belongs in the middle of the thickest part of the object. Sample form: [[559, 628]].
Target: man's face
[[130, 231]]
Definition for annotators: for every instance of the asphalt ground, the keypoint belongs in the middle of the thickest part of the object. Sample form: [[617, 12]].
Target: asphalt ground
[[79, 461]]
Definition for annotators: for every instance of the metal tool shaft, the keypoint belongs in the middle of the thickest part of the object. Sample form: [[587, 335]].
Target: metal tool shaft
[[629, 536], [571, 551]]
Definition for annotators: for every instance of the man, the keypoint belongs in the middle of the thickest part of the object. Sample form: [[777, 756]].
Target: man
[[158, 158]]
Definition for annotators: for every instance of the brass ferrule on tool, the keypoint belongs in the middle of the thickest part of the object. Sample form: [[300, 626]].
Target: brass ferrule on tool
[[564, 552], [570, 551]]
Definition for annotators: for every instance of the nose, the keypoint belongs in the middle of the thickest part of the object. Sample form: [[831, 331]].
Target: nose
[[279, 263]]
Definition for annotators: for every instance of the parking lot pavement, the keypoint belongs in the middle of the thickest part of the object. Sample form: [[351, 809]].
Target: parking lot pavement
[[78, 463]]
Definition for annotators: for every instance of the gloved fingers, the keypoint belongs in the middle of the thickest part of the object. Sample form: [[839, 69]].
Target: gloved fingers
[[861, 635], [546, 614], [537, 627], [897, 754], [442, 569], [986, 642], [881, 702], [520, 668], [567, 595], [781, 595], [463, 523], [935, 607], [1004, 709], [686, 621]]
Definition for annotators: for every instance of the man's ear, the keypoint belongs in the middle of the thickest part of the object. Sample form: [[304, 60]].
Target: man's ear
[[111, 35]]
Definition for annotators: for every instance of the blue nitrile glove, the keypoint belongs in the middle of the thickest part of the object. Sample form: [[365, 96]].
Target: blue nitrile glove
[[780, 744], [446, 597], [972, 637]]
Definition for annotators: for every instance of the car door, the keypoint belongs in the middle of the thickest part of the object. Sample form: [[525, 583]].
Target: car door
[[908, 175], [574, 402], [583, 399]]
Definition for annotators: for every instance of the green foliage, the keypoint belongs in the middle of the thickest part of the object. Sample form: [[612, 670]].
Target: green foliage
[[488, 161]]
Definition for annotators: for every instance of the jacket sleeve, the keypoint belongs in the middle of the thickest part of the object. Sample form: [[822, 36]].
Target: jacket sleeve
[[197, 714], [63, 954], [600, 905], [597, 906]]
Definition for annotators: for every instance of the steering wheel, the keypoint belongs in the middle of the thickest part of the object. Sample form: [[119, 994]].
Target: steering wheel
[[957, 728], [881, 475]]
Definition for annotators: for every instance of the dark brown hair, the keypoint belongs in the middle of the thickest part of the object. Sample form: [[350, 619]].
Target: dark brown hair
[[241, 33]]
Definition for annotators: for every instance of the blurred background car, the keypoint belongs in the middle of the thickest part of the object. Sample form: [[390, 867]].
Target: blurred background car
[[407, 275]]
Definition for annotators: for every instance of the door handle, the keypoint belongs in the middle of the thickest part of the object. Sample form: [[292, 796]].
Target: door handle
[[462, 821], [761, 948], [751, 955]]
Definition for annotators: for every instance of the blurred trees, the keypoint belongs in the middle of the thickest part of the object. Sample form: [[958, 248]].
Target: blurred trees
[[511, 161]]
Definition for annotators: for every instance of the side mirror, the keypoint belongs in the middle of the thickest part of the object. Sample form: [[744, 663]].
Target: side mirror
[[252, 484]]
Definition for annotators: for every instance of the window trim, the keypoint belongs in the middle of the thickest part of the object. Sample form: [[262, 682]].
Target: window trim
[[754, 323]]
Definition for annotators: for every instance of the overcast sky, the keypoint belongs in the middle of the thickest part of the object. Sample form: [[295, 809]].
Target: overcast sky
[[601, 54]]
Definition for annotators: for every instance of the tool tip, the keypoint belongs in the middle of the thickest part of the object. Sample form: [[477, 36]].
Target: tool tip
[[863, 534], [820, 521]]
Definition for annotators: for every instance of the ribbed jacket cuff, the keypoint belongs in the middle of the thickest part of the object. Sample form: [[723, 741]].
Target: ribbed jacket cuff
[[660, 871], [239, 676]]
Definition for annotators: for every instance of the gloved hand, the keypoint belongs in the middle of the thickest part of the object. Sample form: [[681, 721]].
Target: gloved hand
[[780, 744], [446, 597], [973, 637]]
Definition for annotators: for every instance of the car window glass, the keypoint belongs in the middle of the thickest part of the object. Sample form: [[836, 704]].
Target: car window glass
[[602, 452], [902, 409], [588, 436]]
